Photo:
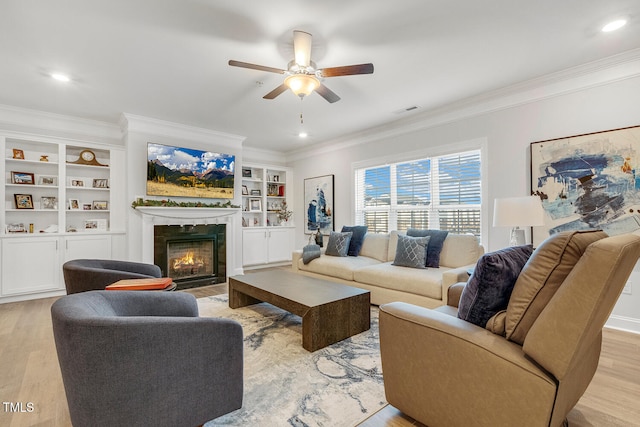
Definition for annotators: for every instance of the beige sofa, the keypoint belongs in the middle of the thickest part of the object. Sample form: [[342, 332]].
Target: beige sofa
[[372, 270]]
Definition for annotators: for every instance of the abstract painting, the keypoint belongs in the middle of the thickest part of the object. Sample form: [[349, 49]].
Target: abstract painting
[[318, 202], [588, 181]]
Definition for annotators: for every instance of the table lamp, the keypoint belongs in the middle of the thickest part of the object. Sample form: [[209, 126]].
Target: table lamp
[[515, 212]]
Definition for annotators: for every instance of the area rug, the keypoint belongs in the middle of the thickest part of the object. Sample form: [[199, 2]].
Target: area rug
[[285, 385]]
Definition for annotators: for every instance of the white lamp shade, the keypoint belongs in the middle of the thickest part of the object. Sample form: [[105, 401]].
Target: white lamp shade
[[518, 211]]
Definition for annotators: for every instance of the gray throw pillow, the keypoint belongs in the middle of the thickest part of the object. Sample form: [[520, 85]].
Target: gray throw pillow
[[309, 253], [338, 243], [489, 287], [435, 244], [411, 251]]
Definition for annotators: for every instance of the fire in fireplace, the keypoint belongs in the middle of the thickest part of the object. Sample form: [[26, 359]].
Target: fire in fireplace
[[192, 255]]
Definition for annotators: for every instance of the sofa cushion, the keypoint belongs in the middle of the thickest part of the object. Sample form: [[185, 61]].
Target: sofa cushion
[[376, 245], [424, 282], [491, 284], [309, 253], [435, 244], [357, 239], [460, 250], [339, 267], [338, 244], [411, 252], [541, 277]]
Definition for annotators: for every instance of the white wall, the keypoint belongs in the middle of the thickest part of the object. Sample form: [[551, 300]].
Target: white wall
[[508, 132]]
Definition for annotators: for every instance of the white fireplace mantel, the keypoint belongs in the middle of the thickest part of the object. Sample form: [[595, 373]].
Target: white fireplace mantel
[[161, 215]]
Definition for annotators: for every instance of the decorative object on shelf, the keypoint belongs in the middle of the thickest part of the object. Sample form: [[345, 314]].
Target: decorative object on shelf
[[44, 158], [74, 205], [246, 173], [22, 178], [95, 224], [16, 228], [18, 154], [276, 178], [168, 203], [100, 183], [208, 175], [86, 207], [588, 181], [31, 228], [77, 182], [47, 180], [272, 190], [256, 192], [255, 205], [53, 228], [284, 213], [245, 190], [318, 199], [244, 222], [23, 201], [87, 157], [47, 202], [100, 205]]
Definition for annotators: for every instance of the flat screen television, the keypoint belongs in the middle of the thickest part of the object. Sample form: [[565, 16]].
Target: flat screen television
[[185, 172]]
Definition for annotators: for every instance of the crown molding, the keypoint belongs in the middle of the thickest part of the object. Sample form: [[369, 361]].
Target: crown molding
[[593, 74], [149, 126], [70, 127]]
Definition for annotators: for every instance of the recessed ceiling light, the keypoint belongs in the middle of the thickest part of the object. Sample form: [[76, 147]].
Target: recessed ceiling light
[[60, 77], [303, 134], [614, 25]]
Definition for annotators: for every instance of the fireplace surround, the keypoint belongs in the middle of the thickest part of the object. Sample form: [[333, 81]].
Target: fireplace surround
[[192, 255]]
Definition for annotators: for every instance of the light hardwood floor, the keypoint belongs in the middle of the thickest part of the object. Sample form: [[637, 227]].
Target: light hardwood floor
[[29, 373]]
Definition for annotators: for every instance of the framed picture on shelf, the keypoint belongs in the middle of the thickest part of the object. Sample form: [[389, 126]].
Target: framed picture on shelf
[[47, 202], [74, 205], [255, 205], [256, 193], [100, 183], [77, 182], [86, 207], [23, 201], [246, 173], [318, 202], [95, 224], [22, 178], [245, 190], [47, 180], [100, 205], [16, 228], [18, 154]]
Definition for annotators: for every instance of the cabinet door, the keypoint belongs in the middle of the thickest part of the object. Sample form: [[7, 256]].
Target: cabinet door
[[280, 241], [88, 247], [254, 246], [30, 265]]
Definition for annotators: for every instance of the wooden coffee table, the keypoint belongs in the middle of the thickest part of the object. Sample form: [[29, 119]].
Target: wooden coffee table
[[330, 311]]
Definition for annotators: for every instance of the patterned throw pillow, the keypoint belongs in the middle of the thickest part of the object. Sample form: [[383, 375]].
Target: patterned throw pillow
[[338, 244], [435, 244], [411, 251]]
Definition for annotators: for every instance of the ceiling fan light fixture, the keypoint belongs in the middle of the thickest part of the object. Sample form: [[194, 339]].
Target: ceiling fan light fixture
[[302, 84]]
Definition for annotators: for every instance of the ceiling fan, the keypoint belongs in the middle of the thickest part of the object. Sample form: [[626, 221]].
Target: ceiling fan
[[302, 75]]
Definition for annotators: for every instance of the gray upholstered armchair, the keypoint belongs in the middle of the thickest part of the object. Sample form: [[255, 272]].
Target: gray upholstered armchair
[[82, 275], [146, 359], [444, 371]]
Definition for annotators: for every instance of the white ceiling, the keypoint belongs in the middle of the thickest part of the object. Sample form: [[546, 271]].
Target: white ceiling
[[167, 59]]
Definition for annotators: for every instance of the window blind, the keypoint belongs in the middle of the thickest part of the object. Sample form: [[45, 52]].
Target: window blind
[[441, 192]]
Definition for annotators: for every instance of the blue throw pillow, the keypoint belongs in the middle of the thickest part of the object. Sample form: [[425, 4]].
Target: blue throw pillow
[[435, 244], [356, 239], [411, 251], [338, 244], [489, 287]]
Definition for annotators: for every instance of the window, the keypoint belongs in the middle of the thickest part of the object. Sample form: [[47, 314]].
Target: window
[[438, 192]]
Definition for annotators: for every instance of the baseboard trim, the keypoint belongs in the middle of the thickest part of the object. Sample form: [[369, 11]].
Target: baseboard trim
[[628, 324]]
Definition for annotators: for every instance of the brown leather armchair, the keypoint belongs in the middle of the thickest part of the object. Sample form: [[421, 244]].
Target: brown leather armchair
[[444, 371]]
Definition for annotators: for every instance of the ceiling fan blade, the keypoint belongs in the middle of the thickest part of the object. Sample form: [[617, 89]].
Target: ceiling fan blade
[[327, 93], [302, 48], [277, 91], [255, 67], [347, 70]]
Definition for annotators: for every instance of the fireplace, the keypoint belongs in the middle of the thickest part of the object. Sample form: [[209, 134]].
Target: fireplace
[[192, 255]]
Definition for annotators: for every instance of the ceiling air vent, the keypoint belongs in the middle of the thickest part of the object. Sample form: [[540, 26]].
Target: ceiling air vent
[[406, 110]]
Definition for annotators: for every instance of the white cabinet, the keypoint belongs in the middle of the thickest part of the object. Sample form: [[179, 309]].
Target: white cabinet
[[93, 247], [266, 245], [30, 265]]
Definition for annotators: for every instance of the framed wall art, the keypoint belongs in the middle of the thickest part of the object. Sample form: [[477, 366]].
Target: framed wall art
[[23, 201], [318, 202], [22, 178], [589, 181]]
